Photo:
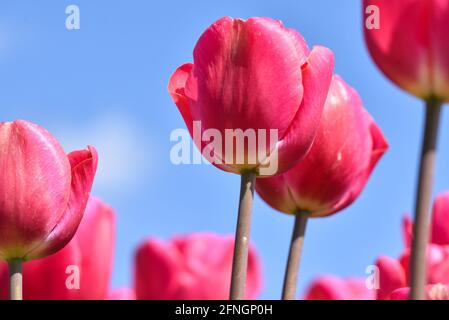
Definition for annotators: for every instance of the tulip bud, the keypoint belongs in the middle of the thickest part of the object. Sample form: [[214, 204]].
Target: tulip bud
[[196, 266], [43, 191], [81, 270], [259, 79], [410, 45], [331, 176]]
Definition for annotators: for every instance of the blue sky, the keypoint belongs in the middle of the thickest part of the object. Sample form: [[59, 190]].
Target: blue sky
[[105, 85]]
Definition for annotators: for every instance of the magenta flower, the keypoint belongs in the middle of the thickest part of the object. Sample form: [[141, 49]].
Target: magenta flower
[[196, 266], [43, 191], [254, 74]]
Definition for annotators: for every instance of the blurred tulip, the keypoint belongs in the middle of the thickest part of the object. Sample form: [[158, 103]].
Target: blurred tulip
[[86, 260], [395, 275], [411, 45], [433, 292], [334, 288], [43, 192], [122, 294], [254, 74], [196, 266], [347, 147], [391, 276]]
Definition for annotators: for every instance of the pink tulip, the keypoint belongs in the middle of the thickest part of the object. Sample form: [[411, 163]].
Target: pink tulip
[[43, 191], [347, 147], [196, 266], [122, 294], [411, 44], [254, 74], [88, 255], [391, 276], [334, 288], [433, 292]]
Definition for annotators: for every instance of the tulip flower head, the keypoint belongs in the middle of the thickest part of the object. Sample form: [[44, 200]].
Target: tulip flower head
[[252, 81], [81, 270], [331, 176], [411, 45], [43, 191], [196, 266]]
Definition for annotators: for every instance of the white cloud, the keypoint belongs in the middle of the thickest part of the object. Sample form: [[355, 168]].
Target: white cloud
[[122, 148]]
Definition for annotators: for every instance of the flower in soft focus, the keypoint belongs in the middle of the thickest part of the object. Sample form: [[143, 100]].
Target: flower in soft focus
[[87, 256], [411, 45], [335, 288], [331, 176], [433, 292], [394, 273], [122, 294], [258, 75], [43, 191], [196, 266]]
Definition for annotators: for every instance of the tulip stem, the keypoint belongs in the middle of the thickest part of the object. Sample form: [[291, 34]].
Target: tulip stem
[[294, 257], [15, 279], [423, 201], [241, 245]]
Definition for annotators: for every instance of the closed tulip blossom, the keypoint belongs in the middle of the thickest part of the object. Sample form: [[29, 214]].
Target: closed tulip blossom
[[81, 270], [346, 149], [43, 194], [252, 100], [258, 75], [191, 267], [409, 42], [332, 175]]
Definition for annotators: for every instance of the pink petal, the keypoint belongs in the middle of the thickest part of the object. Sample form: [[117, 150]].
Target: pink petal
[[84, 165], [391, 276], [440, 220]]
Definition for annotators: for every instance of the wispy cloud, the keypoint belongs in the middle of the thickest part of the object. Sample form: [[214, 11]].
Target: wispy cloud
[[122, 147]]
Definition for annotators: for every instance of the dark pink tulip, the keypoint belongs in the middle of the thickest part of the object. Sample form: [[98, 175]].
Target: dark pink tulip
[[411, 45], [196, 266], [90, 251], [334, 288], [331, 176], [43, 191], [254, 74]]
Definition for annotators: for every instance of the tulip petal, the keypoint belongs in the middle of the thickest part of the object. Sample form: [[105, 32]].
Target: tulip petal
[[391, 277], [440, 220], [84, 165], [407, 231], [250, 71], [34, 188], [176, 88], [317, 75]]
